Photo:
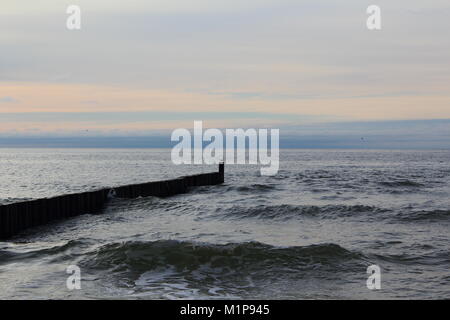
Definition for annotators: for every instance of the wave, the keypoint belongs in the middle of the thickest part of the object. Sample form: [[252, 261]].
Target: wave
[[185, 256], [6, 201], [401, 183], [368, 213], [423, 215], [16, 253], [294, 211], [254, 188], [426, 256]]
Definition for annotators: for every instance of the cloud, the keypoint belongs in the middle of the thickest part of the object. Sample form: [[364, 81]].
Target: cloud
[[92, 102], [8, 100], [312, 57]]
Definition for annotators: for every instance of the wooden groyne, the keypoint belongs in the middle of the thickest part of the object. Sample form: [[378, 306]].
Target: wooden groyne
[[17, 217]]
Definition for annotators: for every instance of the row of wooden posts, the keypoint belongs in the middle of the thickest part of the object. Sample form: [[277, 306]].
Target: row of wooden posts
[[17, 217]]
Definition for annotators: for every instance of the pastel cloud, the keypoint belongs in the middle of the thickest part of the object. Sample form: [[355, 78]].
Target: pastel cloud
[[39, 97], [7, 99], [309, 58]]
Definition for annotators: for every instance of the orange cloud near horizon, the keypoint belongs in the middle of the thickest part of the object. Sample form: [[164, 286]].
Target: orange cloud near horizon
[[30, 97]]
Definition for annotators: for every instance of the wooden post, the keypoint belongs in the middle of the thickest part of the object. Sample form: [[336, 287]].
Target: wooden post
[[221, 172]]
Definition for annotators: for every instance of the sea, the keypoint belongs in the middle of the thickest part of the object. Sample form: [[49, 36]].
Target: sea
[[309, 232]]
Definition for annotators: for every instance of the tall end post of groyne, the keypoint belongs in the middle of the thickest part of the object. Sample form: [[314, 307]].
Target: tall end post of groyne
[[221, 172]]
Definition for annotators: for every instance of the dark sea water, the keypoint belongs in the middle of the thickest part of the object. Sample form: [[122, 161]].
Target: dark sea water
[[309, 232]]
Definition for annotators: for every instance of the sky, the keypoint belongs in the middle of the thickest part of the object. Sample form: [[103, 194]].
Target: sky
[[140, 67]]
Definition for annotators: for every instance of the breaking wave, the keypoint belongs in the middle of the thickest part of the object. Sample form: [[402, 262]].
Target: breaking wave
[[185, 256]]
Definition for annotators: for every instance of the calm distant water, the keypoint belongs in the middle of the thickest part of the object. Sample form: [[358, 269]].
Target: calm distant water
[[308, 233]]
